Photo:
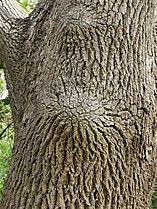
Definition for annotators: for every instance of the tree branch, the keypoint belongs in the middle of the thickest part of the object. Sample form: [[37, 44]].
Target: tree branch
[[9, 10], [1, 134], [12, 18]]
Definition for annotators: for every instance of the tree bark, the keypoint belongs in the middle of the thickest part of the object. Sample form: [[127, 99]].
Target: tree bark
[[81, 77]]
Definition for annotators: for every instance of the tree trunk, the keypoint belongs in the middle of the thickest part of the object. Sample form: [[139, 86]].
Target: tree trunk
[[81, 77]]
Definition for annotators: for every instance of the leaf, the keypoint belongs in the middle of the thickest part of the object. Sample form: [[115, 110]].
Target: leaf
[[6, 101], [1, 65]]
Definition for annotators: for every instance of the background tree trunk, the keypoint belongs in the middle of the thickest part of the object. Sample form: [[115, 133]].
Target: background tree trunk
[[81, 80]]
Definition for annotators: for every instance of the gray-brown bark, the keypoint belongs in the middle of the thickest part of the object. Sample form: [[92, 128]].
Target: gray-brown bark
[[81, 78]]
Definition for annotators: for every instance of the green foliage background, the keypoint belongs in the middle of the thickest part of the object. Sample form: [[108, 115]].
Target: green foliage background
[[6, 132], [6, 127]]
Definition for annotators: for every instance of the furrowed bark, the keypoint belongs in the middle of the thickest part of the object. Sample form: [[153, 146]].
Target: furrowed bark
[[12, 34], [86, 137]]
